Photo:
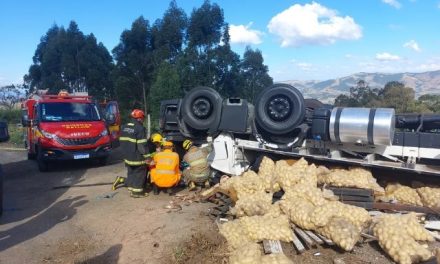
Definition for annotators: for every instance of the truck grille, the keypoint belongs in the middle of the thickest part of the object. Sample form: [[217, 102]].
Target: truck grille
[[77, 141]]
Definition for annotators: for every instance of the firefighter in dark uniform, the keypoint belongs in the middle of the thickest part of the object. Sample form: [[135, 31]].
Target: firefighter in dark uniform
[[134, 147]]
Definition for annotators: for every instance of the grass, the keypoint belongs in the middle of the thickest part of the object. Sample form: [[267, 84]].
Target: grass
[[15, 134]]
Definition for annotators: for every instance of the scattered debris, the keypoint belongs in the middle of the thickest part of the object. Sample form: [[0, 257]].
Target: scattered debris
[[106, 196]]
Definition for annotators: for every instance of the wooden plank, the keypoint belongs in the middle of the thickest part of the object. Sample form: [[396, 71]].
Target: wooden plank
[[326, 240], [309, 242], [355, 198], [366, 205], [297, 243], [272, 246], [434, 235], [350, 191], [402, 207], [314, 237], [432, 225]]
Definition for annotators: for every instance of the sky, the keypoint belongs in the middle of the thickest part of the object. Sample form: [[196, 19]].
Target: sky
[[299, 40]]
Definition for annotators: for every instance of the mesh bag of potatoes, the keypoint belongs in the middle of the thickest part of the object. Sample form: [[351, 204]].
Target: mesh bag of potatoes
[[430, 197], [322, 215], [341, 231], [307, 192], [266, 171], [244, 185], [397, 235], [234, 234], [251, 254], [276, 259], [300, 172], [259, 203], [266, 227], [403, 194], [299, 210], [353, 177]]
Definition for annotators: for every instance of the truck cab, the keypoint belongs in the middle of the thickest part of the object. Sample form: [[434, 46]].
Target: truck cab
[[69, 127]]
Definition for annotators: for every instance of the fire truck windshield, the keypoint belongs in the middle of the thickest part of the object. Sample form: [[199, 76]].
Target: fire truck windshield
[[60, 112]]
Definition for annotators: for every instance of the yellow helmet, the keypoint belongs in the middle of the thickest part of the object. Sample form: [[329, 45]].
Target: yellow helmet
[[187, 144], [156, 138], [167, 144]]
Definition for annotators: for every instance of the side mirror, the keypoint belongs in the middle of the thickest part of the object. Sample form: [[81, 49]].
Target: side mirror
[[25, 121], [110, 119]]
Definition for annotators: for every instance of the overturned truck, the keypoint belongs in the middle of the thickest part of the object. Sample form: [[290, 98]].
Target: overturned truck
[[282, 123]]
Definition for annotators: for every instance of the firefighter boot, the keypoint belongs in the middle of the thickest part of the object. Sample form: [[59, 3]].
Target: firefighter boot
[[119, 182], [207, 185], [192, 186], [138, 194]]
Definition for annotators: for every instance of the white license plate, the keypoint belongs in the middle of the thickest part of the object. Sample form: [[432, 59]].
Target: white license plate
[[81, 156]]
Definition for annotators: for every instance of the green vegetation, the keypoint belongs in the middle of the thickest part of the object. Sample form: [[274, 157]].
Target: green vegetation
[[152, 61], [395, 95]]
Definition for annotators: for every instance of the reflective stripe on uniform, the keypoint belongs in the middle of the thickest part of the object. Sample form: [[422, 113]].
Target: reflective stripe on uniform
[[197, 162], [134, 163], [127, 139], [166, 172], [130, 124], [133, 140], [136, 190]]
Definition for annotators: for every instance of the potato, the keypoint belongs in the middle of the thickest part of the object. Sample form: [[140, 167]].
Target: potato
[[403, 194], [267, 173], [354, 177], [397, 235], [430, 197], [259, 203], [342, 232]]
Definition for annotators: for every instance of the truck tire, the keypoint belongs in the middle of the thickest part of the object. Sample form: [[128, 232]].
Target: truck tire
[[279, 109], [313, 104], [43, 165], [31, 156], [201, 108]]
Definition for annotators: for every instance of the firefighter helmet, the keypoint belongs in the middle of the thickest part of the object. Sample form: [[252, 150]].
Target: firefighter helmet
[[187, 144], [136, 114], [156, 138], [167, 144]]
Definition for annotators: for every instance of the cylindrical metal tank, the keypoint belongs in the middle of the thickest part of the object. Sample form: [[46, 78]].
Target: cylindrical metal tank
[[372, 126]]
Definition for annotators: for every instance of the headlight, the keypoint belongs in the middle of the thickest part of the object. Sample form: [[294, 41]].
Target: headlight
[[48, 135], [104, 132]]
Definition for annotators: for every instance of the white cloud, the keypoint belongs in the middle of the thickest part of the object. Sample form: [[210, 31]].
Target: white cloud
[[412, 44], [393, 3], [242, 34], [312, 24], [305, 66], [385, 56]]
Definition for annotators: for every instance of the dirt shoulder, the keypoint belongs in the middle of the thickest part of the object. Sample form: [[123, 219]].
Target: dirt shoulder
[[45, 221]]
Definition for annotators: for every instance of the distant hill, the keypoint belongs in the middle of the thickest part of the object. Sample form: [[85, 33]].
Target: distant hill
[[327, 91]]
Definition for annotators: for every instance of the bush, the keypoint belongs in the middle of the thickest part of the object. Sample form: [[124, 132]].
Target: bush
[[11, 116]]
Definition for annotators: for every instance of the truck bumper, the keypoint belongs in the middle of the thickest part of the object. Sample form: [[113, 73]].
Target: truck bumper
[[62, 154]]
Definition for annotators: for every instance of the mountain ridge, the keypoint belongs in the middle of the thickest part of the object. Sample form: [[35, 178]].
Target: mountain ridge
[[327, 90]]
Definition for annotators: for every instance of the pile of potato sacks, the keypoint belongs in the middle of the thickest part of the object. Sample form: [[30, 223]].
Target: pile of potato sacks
[[423, 196], [308, 207]]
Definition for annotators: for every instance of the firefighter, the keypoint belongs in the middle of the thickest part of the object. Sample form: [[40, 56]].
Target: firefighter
[[156, 142], [134, 147], [166, 173], [198, 170]]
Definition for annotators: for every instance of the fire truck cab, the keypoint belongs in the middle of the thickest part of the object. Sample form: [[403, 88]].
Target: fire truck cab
[[69, 127]]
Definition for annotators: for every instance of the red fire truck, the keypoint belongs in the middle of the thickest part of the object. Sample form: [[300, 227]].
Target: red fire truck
[[69, 127]]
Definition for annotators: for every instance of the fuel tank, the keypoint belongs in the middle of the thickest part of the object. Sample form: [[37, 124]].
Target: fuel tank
[[369, 126]]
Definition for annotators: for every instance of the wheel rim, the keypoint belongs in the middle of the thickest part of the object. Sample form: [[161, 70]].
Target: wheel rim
[[202, 108], [279, 107]]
